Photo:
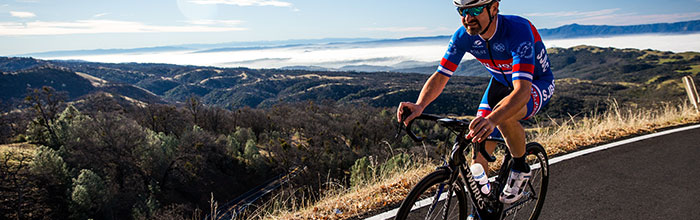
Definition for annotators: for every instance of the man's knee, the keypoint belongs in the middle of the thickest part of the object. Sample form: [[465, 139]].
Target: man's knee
[[510, 123]]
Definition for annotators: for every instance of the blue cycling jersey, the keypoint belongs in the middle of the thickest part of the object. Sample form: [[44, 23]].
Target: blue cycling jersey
[[516, 47]]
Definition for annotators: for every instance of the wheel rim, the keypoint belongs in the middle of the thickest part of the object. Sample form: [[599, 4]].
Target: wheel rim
[[529, 206]]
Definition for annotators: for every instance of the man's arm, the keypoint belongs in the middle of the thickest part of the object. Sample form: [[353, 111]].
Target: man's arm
[[513, 103], [511, 106], [431, 90]]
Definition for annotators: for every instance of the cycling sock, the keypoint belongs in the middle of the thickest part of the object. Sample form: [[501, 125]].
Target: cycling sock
[[520, 165]]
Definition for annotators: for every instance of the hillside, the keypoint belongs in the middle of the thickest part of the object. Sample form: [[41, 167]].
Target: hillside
[[642, 77], [20, 75], [165, 161], [577, 30]]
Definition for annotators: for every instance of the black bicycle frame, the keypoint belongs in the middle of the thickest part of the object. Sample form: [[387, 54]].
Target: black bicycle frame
[[486, 208]]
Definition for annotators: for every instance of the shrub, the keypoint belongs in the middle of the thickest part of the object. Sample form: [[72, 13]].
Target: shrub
[[396, 163], [89, 193], [49, 165], [361, 171]]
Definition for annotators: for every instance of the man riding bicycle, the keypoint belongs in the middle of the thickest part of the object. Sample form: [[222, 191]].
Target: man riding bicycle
[[521, 81]]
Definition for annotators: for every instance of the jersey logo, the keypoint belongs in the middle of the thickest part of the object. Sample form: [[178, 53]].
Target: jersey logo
[[451, 49], [478, 44], [477, 52], [525, 50], [499, 47]]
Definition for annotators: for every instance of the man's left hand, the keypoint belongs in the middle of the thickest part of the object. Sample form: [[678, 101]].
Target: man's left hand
[[480, 128]]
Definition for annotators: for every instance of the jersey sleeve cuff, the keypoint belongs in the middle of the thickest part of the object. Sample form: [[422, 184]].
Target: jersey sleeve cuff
[[522, 76], [444, 71]]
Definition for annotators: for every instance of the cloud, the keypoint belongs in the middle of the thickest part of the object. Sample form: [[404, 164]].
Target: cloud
[[22, 14], [214, 22], [100, 27], [633, 19], [100, 15], [398, 29], [244, 2]]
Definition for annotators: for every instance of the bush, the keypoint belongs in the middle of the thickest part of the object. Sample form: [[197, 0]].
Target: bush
[[89, 194], [396, 163], [361, 171], [49, 166]]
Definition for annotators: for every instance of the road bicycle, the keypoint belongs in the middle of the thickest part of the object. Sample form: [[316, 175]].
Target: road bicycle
[[450, 192]]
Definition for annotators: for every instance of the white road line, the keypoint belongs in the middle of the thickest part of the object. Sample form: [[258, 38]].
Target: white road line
[[392, 213]]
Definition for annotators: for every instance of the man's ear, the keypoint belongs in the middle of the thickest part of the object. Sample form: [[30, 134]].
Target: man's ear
[[494, 8]]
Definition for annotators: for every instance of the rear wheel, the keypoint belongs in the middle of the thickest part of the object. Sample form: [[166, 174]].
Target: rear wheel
[[530, 205], [429, 199]]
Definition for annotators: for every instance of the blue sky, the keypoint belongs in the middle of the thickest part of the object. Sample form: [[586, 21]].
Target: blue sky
[[46, 25]]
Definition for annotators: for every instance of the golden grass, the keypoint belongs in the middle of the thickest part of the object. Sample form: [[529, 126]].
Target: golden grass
[[12, 152], [18, 148], [560, 138], [614, 124], [347, 203]]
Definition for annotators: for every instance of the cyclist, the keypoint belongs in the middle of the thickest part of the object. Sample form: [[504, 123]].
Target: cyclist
[[521, 81]]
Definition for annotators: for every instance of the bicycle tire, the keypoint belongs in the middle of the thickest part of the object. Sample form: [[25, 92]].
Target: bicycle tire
[[424, 193], [536, 191]]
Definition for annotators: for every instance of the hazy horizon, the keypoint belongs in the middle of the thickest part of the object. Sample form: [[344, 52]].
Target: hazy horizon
[[394, 54], [31, 26]]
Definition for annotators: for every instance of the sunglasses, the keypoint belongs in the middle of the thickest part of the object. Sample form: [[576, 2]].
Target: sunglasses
[[473, 11]]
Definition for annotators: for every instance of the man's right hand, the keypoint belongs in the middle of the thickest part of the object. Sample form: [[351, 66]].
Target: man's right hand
[[416, 110]]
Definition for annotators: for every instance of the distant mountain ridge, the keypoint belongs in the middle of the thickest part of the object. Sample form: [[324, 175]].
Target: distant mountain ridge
[[566, 31], [577, 30], [644, 77]]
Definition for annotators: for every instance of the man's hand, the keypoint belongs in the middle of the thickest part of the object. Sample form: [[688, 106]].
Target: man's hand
[[416, 110], [480, 128]]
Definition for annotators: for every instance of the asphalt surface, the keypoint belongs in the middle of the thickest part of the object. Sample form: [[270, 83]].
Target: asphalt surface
[[657, 178]]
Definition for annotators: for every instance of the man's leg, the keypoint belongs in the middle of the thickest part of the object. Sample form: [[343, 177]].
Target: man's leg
[[490, 147], [514, 133]]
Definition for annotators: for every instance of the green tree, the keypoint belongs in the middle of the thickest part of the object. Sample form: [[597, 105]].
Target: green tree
[[233, 146], [49, 165], [89, 194], [251, 151], [45, 102], [52, 176], [244, 134]]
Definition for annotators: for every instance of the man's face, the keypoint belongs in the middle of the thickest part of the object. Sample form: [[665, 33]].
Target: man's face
[[476, 24]]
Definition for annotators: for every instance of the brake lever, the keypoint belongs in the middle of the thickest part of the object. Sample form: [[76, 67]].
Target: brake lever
[[407, 112], [481, 149]]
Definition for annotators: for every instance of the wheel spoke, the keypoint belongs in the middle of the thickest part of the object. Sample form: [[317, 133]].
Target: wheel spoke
[[435, 198]]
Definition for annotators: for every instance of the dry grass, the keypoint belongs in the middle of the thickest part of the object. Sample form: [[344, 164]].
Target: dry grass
[[560, 138], [18, 148], [614, 124], [344, 203]]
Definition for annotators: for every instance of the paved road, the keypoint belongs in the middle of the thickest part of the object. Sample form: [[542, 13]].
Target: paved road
[[657, 178]]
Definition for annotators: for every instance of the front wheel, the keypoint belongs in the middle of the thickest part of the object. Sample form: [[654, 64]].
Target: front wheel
[[530, 205], [434, 198]]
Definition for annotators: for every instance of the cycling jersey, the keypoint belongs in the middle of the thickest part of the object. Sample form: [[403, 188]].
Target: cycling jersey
[[518, 53], [516, 47]]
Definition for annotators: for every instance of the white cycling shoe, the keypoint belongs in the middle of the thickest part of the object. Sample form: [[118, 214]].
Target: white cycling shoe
[[513, 190]]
